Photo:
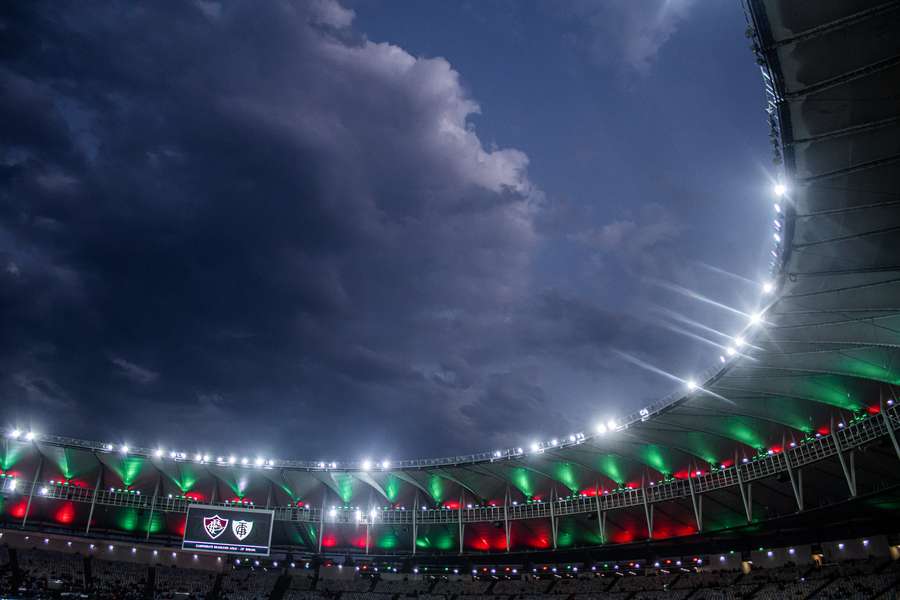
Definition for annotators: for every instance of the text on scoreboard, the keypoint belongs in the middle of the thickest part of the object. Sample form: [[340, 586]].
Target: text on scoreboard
[[228, 530]]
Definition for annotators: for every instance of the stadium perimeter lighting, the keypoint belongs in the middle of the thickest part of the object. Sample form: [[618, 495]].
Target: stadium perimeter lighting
[[29, 436], [15, 433], [779, 189]]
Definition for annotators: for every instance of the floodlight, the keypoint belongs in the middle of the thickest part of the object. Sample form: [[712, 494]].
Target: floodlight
[[366, 464], [691, 385], [29, 436], [779, 189], [15, 433], [768, 287]]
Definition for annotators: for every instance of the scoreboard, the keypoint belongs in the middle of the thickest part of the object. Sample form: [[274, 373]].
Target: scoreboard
[[228, 530]]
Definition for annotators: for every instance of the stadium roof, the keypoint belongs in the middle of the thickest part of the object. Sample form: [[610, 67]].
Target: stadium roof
[[812, 377]]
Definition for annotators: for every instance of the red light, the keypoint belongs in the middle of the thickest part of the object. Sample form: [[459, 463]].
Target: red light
[[65, 514], [873, 410], [18, 510], [329, 540]]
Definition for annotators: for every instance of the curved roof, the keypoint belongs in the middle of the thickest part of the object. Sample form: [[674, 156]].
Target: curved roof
[[813, 379]]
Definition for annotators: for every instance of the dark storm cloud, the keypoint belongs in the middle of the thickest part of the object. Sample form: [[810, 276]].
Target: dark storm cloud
[[213, 207], [247, 221]]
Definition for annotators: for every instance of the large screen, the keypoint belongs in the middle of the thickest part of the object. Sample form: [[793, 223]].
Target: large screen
[[228, 530]]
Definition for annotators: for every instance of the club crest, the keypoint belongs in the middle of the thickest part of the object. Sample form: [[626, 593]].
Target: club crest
[[241, 529], [215, 526]]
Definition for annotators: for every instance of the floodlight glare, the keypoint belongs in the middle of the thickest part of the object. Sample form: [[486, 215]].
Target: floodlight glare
[[730, 351], [259, 461], [124, 448], [158, 453], [779, 189], [366, 465], [535, 447], [756, 318], [601, 428], [739, 341], [232, 460], [29, 436], [691, 385], [611, 424], [768, 287], [15, 433], [385, 464]]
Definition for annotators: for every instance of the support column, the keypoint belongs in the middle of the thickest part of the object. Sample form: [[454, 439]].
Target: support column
[[367, 535], [97, 485], [847, 466], [461, 530], [37, 475], [745, 491], [796, 479], [696, 502], [601, 515], [553, 515], [153, 506], [269, 496], [506, 517], [415, 530], [648, 510], [322, 522], [888, 424]]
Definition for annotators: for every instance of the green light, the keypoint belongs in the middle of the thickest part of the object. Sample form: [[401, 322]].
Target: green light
[[392, 487], [388, 540], [187, 478], [521, 478], [127, 519], [608, 464], [345, 487], [436, 487], [11, 456], [128, 469], [652, 455], [565, 474]]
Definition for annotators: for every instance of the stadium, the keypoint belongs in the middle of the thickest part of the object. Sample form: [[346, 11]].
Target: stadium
[[775, 474]]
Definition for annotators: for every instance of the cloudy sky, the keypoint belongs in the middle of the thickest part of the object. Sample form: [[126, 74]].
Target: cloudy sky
[[372, 228]]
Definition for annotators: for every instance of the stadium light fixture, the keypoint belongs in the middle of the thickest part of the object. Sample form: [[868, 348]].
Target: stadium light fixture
[[124, 449], [366, 464], [611, 425], [497, 454], [198, 457], [206, 458], [601, 428], [756, 318], [554, 442], [245, 460], [385, 464], [15, 433], [159, 453], [535, 446], [691, 384], [779, 189], [730, 351], [739, 341], [232, 460], [29, 436], [259, 461]]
